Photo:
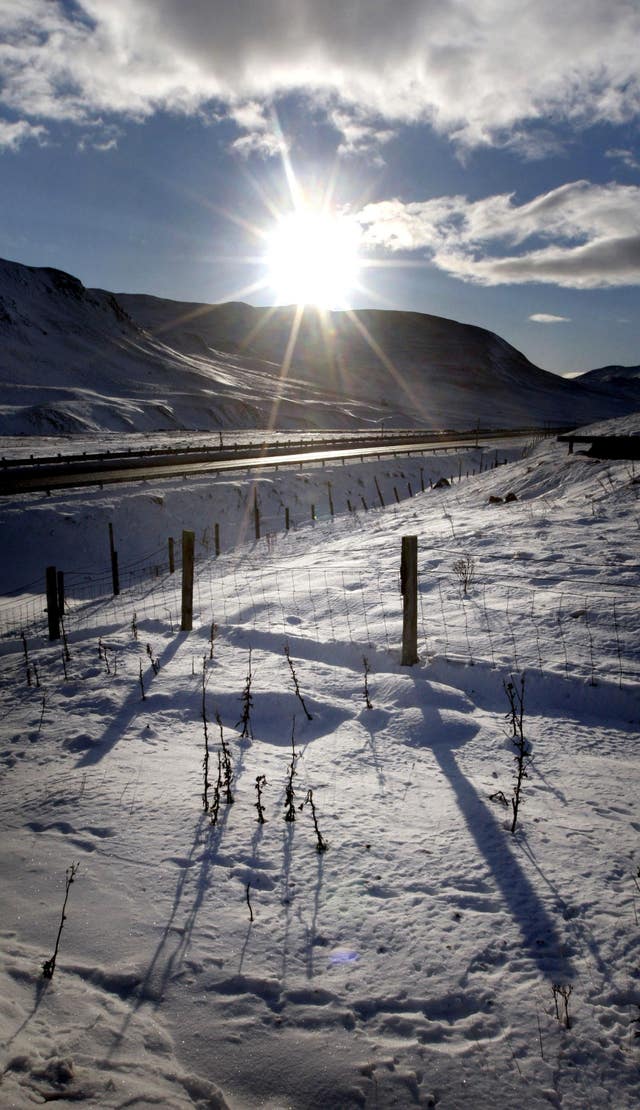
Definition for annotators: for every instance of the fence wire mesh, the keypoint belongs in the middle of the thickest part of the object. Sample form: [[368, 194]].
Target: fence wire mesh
[[580, 630]]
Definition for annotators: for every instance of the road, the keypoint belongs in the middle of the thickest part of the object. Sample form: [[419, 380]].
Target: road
[[46, 474]]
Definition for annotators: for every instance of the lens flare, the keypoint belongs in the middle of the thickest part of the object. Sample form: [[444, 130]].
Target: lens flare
[[312, 258]]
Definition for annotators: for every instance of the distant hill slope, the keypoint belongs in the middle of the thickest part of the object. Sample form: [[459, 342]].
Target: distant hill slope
[[611, 374], [621, 381], [421, 368], [76, 359]]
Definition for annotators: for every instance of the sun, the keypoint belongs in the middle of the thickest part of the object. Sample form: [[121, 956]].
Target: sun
[[312, 258]]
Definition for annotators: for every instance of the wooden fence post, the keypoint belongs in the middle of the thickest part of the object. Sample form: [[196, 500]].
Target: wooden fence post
[[115, 575], [53, 616], [286, 518], [188, 545], [216, 540], [256, 513], [409, 585], [330, 498], [172, 557], [381, 498]]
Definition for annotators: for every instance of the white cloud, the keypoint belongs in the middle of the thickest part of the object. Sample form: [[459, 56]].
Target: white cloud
[[261, 132], [593, 232], [102, 137], [624, 155], [14, 134], [360, 135], [480, 71], [549, 318], [533, 143]]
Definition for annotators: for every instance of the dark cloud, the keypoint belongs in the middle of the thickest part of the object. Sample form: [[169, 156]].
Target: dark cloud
[[479, 71]]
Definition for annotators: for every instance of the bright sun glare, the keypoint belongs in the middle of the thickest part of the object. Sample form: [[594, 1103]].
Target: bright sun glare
[[312, 258]]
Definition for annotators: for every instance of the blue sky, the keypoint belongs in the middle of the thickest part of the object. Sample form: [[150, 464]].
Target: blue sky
[[486, 153]]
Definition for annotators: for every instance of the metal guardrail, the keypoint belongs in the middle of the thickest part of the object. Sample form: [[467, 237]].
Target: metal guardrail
[[307, 441], [67, 471]]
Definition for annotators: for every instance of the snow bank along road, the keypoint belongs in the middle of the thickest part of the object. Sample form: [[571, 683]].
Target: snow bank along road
[[69, 471]]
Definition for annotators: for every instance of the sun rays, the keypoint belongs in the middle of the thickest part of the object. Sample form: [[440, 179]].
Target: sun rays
[[307, 261]]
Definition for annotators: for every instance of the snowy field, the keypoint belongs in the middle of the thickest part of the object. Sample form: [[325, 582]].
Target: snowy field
[[429, 957]]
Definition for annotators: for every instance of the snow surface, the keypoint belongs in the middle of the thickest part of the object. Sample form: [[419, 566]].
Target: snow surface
[[412, 963], [623, 426]]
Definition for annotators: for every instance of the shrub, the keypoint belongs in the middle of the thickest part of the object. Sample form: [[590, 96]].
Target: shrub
[[464, 570]]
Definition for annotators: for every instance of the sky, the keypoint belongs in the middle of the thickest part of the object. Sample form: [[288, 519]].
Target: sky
[[474, 159]]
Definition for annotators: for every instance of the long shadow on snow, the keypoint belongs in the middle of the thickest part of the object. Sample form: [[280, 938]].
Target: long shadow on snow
[[151, 987], [39, 993], [341, 653], [540, 937], [312, 930], [164, 963], [130, 708], [585, 937], [166, 960], [256, 841], [547, 694]]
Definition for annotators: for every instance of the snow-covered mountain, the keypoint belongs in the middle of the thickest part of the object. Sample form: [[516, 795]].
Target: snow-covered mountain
[[621, 381], [72, 359], [83, 359], [606, 374]]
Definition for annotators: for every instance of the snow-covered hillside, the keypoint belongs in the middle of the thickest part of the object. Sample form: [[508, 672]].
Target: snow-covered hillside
[[73, 359], [434, 371], [429, 956], [621, 380], [608, 374]]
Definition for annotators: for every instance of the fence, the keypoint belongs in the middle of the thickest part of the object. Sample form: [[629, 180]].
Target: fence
[[24, 609], [580, 631]]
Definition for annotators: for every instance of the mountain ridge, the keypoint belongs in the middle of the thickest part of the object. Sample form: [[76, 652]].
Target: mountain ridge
[[74, 359]]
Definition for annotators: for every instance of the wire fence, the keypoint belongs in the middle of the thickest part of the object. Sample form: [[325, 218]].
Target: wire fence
[[25, 609], [578, 634], [581, 631]]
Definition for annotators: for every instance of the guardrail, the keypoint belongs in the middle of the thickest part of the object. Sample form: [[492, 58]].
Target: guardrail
[[310, 441], [72, 472]]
